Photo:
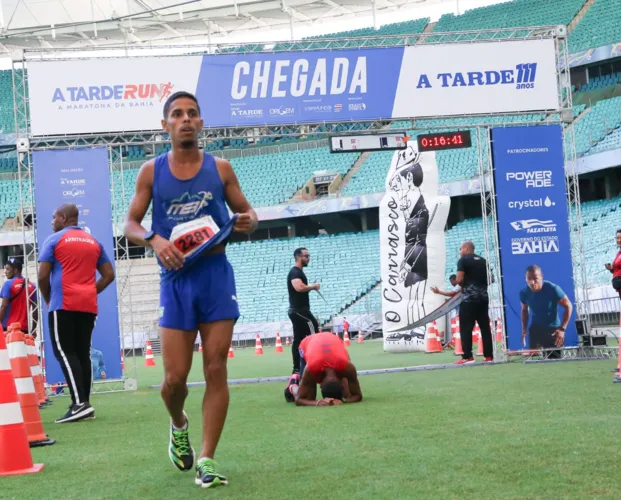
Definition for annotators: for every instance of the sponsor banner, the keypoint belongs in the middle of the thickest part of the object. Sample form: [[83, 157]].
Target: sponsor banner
[[236, 90], [105, 95], [594, 55], [80, 177], [412, 249], [533, 228]]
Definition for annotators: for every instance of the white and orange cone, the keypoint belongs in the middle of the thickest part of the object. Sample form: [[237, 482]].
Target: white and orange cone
[[346, 340], [26, 393], [149, 360], [258, 348], [360, 338], [433, 343], [231, 352], [15, 456], [278, 344]]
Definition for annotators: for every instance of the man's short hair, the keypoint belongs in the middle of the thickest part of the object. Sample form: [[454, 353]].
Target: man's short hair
[[453, 277], [15, 263], [298, 252], [533, 269], [179, 95], [332, 389]]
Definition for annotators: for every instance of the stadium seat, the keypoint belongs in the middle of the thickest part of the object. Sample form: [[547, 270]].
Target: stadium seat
[[600, 26]]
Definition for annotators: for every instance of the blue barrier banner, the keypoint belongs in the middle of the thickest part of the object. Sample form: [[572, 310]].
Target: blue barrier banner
[[533, 228], [81, 177]]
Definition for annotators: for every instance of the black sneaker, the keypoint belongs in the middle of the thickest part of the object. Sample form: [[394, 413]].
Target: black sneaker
[[75, 413]]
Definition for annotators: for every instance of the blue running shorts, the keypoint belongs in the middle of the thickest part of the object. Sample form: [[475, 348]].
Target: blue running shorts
[[204, 294]]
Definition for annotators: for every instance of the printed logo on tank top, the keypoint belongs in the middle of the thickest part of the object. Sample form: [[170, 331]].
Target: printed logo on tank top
[[188, 205]]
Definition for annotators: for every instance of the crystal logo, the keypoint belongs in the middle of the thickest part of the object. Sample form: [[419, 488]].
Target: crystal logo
[[538, 203]]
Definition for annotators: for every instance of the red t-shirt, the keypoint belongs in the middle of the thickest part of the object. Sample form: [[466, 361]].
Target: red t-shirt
[[616, 266], [17, 311], [324, 350]]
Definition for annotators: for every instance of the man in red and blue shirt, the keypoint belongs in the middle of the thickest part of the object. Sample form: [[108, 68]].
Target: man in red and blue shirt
[[16, 300], [68, 263]]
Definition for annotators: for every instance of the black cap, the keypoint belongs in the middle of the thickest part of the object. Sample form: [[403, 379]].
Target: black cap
[[15, 263]]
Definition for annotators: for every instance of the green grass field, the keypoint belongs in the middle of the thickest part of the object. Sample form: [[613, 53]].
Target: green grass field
[[503, 431]]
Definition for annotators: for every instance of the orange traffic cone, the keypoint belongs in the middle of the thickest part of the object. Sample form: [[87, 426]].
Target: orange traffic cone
[[480, 351], [476, 334], [287, 343], [35, 369], [278, 343], [498, 330], [458, 349], [15, 456], [231, 352], [200, 347], [149, 360], [258, 348], [346, 339], [360, 337], [122, 361], [27, 396], [433, 343]]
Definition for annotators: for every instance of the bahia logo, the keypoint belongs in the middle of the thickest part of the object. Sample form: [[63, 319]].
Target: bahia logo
[[127, 92], [522, 77]]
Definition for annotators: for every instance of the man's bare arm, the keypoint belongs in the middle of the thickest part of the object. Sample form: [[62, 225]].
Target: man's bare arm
[[4, 308], [139, 205], [169, 255], [107, 276], [247, 221], [307, 392], [459, 279], [568, 309], [299, 286], [355, 393], [45, 271]]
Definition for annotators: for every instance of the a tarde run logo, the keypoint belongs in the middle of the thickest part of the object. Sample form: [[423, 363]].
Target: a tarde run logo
[[111, 96]]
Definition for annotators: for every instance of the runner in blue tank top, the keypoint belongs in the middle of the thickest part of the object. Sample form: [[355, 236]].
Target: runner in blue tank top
[[190, 191]]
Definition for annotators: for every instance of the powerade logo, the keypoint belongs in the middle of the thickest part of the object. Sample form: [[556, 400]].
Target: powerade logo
[[535, 179], [522, 77], [299, 78], [108, 96]]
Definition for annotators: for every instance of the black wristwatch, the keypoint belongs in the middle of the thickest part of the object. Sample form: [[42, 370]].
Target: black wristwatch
[[149, 235]]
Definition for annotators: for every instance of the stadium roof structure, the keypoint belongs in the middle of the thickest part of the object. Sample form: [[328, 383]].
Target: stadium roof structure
[[49, 24]]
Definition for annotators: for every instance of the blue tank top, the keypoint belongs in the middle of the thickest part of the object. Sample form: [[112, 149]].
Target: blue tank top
[[176, 201]]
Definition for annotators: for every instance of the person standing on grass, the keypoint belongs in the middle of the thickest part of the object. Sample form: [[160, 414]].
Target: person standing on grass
[[16, 301], [615, 266], [474, 307], [190, 191], [68, 263], [303, 321]]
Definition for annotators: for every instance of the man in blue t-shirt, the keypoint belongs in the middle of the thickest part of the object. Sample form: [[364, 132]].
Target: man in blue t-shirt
[[540, 301]]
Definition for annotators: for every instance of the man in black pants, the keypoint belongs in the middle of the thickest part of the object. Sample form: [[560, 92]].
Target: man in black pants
[[472, 277], [304, 323], [67, 265]]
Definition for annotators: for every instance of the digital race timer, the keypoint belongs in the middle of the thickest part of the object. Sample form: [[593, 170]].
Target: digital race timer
[[444, 140]]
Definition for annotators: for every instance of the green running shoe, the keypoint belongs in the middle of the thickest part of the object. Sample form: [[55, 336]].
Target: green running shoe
[[206, 475], [180, 450]]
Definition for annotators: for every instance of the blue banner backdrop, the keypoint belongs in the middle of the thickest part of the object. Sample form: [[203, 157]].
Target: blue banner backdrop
[[295, 87], [81, 177], [533, 228]]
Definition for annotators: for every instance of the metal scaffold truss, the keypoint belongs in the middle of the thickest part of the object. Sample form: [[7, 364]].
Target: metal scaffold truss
[[116, 142]]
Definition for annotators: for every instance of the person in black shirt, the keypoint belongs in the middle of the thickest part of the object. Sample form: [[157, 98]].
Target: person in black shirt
[[472, 277], [304, 323]]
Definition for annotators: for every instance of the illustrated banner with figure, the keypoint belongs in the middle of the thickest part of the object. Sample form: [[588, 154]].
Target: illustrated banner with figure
[[533, 230], [80, 177], [412, 247]]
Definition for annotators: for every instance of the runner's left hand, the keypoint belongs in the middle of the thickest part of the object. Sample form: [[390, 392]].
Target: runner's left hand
[[245, 223]]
